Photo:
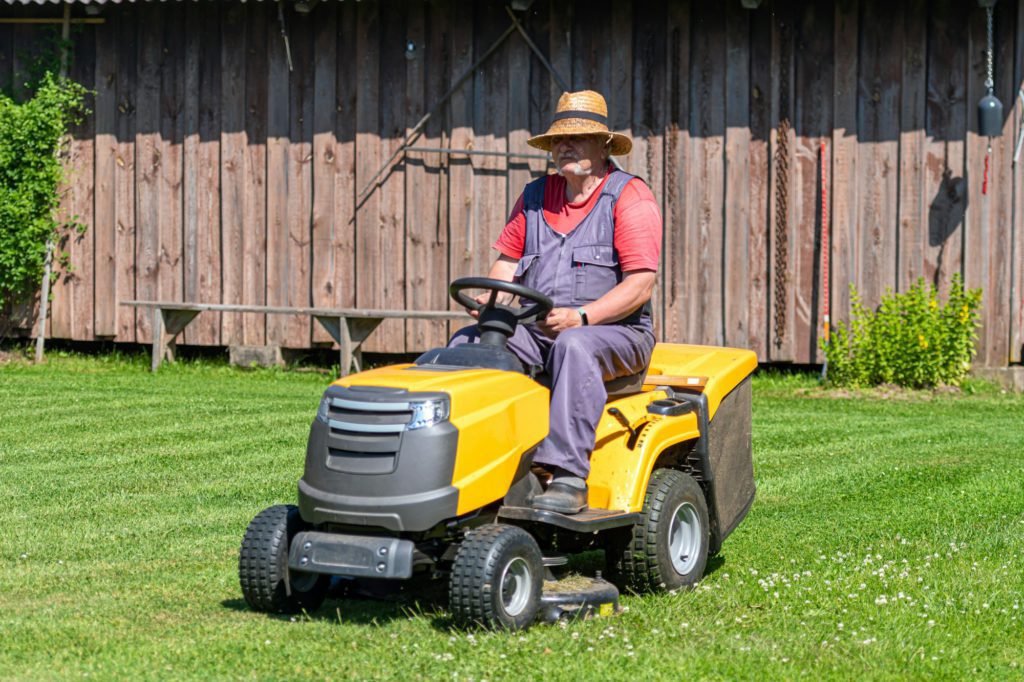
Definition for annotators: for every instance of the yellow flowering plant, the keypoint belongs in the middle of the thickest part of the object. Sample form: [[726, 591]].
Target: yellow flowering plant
[[911, 339]]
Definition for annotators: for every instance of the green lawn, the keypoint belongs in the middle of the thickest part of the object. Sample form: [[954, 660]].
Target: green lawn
[[886, 541]]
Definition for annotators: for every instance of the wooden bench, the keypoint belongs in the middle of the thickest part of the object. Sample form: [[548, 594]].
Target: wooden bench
[[348, 326]]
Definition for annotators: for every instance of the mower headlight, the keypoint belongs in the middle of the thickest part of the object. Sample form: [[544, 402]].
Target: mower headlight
[[321, 412], [427, 413]]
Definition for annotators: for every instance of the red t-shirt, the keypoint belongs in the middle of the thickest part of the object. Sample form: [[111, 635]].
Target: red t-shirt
[[637, 222]]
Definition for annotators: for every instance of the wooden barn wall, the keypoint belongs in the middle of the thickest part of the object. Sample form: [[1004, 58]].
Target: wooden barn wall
[[210, 171]]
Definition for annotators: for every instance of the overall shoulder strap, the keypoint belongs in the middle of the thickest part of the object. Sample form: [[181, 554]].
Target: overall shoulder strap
[[533, 195]]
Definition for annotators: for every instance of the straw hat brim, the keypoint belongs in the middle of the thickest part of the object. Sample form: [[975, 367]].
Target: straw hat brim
[[621, 144]]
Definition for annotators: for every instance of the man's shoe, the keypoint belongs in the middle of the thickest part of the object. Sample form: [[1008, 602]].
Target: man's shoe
[[562, 498]]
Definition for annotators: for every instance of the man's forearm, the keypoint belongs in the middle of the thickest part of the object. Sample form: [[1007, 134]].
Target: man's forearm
[[504, 268], [632, 292]]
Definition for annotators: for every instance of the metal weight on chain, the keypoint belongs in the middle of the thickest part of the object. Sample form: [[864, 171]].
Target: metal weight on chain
[[990, 109]]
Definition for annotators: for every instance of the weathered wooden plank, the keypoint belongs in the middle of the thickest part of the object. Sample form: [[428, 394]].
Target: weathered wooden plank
[[877, 156], [591, 59], [986, 234], [707, 176], [346, 91], [999, 308], [736, 240], [81, 178], [845, 257], [300, 176], [912, 234], [783, 187], [371, 268], [620, 104], [324, 163], [977, 235], [491, 202], [232, 166], [104, 223], [6, 58], [391, 224], [426, 252], [461, 189], [148, 161], [945, 187], [490, 96], [259, 20], [202, 169], [169, 275], [1016, 294], [760, 182], [560, 48], [675, 307], [26, 40], [124, 172], [813, 119]]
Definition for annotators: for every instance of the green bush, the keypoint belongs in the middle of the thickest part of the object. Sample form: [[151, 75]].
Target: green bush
[[30, 175], [910, 340]]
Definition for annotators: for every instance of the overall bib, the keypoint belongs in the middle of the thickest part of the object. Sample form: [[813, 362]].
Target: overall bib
[[575, 269]]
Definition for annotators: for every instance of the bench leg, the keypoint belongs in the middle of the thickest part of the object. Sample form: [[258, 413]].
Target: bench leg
[[167, 324], [349, 332]]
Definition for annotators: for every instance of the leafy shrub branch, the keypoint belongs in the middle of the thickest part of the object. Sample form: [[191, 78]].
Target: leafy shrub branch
[[911, 339], [31, 133]]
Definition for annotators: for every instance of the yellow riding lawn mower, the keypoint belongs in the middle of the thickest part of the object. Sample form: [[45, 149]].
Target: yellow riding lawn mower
[[423, 470]]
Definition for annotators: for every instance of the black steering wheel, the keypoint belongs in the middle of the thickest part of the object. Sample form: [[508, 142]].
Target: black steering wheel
[[542, 305]]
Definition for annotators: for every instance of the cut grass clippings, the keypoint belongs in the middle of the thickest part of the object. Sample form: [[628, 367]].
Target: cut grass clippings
[[886, 541]]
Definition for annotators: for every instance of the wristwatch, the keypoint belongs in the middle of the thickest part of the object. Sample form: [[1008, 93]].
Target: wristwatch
[[583, 316]]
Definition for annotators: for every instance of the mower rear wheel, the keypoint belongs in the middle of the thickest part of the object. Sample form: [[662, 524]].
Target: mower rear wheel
[[667, 549], [267, 583], [497, 578]]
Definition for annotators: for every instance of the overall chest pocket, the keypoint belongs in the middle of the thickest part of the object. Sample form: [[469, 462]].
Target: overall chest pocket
[[595, 272], [523, 267], [526, 274]]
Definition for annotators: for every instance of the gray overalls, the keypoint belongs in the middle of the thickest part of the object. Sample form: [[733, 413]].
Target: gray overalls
[[575, 269]]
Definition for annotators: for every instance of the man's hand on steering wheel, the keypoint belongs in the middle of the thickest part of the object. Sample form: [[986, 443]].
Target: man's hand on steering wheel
[[503, 298]]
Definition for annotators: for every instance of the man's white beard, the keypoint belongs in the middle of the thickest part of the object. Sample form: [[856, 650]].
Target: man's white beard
[[577, 170]]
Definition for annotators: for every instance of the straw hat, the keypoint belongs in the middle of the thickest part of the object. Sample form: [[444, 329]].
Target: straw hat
[[581, 113]]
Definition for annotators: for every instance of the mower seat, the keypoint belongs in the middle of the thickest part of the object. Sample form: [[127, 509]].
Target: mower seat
[[616, 388]]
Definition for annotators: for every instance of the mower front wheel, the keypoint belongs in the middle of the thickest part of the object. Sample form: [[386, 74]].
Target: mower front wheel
[[667, 549], [497, 578], [267, 583]]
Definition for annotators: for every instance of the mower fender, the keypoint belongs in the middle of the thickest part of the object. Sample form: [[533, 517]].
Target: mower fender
[[351, 555]]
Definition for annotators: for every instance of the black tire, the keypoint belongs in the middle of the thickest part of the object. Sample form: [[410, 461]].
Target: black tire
[[642, 559], [497, 578], [263, 565]]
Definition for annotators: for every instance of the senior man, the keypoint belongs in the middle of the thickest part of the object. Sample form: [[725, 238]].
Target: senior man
[[589, 238]]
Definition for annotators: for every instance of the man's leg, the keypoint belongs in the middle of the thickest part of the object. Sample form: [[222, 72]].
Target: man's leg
[[579, 363]]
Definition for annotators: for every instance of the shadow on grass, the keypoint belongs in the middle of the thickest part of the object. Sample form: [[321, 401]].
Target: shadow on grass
[[371, 602], [378, 602]]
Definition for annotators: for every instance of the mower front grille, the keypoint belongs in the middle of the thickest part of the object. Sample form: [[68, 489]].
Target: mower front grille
[[365, 437]]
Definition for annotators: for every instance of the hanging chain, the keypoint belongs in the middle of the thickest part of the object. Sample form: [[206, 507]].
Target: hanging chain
[[990, 80], [781, 219]]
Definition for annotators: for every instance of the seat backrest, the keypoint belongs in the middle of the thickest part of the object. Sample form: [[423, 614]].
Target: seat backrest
[[626, 385]]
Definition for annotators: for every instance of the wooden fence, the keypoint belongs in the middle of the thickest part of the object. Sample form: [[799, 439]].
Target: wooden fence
[[210, 171]]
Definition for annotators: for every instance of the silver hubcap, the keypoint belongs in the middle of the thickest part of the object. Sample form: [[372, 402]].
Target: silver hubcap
[[684, 538], [516, 585]]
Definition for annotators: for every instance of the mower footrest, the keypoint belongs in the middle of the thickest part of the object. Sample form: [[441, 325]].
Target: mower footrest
[[586, 521], [351, 555]]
